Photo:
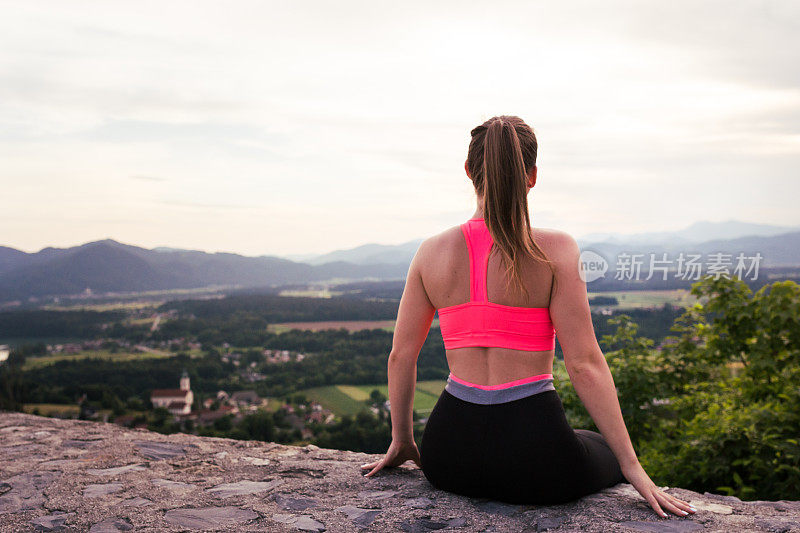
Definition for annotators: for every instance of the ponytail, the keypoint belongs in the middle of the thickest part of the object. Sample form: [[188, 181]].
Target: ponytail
[[502, 181]]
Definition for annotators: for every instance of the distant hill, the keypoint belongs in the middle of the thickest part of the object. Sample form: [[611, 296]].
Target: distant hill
[[110, 266], [777, 251], [695, 233], [370, 254]]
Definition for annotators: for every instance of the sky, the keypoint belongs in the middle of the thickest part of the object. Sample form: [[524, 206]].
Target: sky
[[282, 128]]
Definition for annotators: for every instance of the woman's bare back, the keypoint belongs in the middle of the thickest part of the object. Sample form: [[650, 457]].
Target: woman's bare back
[[444, 268]]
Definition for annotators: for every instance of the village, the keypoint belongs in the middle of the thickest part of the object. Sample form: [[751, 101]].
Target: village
[[180, 403]]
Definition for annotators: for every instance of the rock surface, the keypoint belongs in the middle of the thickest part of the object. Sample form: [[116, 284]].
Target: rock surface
[[70, 475]]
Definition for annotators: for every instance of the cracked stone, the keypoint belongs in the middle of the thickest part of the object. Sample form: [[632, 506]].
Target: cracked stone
[[360, 517], [241, 488], [209, 517], [300, 472], [25, 493], [59, 464], [732, 499], [713, 507], [20, 448], [159, 450], [97, 490], [76, 443], [52, 522], [495, 507], [294, 503], [776, 525], [677, 525], [114, 471], [302, 522], [136, 502], [256, 461], [422, 525], [175, 486], [288, 451], [422, 502], [14, 429], [345, 501], [111, 525], [550, 522], [377, 494]]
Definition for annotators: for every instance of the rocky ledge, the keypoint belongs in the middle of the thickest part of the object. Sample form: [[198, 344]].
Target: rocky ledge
[[70, 475]]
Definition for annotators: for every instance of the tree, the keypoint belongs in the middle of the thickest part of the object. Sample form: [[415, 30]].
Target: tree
[[258, 426], [12, 383], [734, 371], [376, 398]]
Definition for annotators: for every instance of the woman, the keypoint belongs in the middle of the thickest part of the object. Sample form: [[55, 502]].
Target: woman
[[503, 289]]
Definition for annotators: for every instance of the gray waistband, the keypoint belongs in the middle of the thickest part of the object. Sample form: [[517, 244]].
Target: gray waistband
[[486, 397]]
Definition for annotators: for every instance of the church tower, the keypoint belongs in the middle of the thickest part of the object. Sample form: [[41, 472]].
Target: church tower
[[185, 381]]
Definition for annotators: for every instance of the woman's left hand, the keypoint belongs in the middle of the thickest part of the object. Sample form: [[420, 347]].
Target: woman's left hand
[[399, 453]]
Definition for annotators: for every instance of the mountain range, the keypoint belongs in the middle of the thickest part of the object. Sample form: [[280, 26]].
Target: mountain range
[[701, 237], [110, 266], [695, 233]]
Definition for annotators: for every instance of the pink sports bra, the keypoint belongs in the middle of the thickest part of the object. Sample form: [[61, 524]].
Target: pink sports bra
[[480, 322]]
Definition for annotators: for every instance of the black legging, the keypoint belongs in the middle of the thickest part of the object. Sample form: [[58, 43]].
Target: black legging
[[521, 451]]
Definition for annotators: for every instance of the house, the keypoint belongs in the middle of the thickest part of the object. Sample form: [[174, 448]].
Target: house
[[177, 401], [248, 397], [206, 416]]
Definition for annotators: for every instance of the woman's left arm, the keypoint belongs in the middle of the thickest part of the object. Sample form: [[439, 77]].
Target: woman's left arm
[[414, 317]]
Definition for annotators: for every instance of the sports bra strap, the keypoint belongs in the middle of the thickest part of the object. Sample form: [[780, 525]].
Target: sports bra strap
[[479, 244]]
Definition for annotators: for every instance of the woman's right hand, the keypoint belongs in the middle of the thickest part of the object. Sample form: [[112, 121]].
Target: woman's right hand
[[657, 499]]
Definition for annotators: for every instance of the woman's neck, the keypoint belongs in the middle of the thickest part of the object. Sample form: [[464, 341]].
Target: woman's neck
[[479, 209]]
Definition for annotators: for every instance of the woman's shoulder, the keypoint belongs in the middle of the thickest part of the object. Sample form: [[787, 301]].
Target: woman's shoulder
[[557, 244], [446, 239], [553, 236], [440, 249]]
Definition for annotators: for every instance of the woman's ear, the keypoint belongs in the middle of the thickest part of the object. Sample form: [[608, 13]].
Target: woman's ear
[[532, 177], [466, 169]]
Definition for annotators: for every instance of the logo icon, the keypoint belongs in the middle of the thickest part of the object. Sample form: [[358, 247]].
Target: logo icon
[[592, 266]]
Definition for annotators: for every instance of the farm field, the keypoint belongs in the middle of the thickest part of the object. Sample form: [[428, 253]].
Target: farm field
[[434, 387], [423, 400], [349, 325], [310, 293], [36, 362], [334, 399], [106, 306], [640, 299], [349, 399]]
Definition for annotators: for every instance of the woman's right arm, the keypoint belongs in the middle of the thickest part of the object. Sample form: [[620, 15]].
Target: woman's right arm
[[589, 372]]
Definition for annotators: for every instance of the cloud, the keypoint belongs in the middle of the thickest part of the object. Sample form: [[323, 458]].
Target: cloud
[[205, 205], [646, 113], [149, 178]]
